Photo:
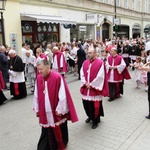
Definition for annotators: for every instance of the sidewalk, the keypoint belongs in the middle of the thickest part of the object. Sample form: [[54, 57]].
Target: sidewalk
[[124, 126]]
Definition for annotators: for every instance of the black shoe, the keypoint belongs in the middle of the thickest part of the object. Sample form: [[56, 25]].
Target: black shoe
[[110, 99], [87, 120], [147, 117], [32, 91], [94, 126]]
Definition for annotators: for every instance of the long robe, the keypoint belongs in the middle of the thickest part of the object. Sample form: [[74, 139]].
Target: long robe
[[59, 63], [94, 73], [116, 76], [17, 80], [52, 95], [81, 57]]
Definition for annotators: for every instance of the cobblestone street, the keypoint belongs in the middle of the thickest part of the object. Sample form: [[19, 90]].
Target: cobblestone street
[[124, 126]]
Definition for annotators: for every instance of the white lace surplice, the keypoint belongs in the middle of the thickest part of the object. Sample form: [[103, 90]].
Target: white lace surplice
[[62, 107], [120, 68], [97, 83]]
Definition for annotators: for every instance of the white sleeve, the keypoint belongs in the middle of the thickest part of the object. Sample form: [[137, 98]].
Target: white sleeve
[[98, 82], [107, 66], [35, 99], [13, 73], [83, 81], [61, 61], [62, 107], [121, 67]]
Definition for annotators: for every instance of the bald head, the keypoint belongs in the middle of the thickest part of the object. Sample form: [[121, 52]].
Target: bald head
[[2, 49], [113, 51], [91, 54]]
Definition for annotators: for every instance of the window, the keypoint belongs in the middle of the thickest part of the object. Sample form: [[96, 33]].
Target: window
[[117, 2], [146, 4], [139, 5], [133, 4], [99, 0], [149, 6], [106, 1], [126, 3]]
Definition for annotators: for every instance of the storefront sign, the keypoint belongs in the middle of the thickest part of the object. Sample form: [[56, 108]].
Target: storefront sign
[[90, 17], [117, 21], [13, 41], [146, 30], [82, 28]]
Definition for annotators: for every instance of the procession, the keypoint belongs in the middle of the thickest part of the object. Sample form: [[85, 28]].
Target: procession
[[100, 70], [74, 75]]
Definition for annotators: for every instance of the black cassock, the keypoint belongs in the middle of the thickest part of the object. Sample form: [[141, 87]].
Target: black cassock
[[18, 90]]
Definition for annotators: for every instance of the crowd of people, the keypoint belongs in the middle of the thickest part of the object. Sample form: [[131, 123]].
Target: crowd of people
[[102, 67]]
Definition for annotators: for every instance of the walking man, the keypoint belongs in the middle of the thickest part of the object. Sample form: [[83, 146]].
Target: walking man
[[116, 73], [93, 87], [54, 106]]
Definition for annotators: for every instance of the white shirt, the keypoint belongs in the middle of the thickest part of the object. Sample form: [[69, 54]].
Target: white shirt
[[23, 54]]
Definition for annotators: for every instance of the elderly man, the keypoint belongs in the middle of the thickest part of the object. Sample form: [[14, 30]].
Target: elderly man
[[54, 106], [17, 80], [4, 65], [116, 73], [29, 68], [126, 52], [49, 53], [59, 62]]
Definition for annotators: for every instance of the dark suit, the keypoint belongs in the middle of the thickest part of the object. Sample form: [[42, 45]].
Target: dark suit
[[4, 66]]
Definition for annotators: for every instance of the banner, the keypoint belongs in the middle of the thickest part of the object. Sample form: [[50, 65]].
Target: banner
[[13, 41]]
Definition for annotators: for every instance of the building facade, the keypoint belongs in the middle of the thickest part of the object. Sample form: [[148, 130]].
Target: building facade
[[55, 20]]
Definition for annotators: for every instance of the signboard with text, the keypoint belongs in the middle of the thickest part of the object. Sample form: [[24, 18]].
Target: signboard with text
[[82, 28]]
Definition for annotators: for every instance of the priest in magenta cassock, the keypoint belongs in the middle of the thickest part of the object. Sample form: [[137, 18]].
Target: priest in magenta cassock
[[16, 78], [93, 87], [54, 106], [116, 73], [58, 62]]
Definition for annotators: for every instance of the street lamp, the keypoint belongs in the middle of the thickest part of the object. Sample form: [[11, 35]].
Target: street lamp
[[2, 8]]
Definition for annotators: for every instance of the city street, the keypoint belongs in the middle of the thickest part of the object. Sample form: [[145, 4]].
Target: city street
[[123, 127]]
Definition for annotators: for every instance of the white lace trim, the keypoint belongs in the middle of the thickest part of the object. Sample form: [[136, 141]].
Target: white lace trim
[[92, 98], [62, 107], [53, 125]]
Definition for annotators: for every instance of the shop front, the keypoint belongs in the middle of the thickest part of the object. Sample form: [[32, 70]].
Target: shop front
[[38, 32], [122, 31], [38, 28], [136, 31], [147, 31], [82, 32]]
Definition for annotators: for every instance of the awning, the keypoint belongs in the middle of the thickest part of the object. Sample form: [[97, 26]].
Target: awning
[[46, 19]]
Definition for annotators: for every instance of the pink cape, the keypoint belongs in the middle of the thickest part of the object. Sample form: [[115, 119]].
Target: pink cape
[[53, 82], [59, 54], [93, 73]]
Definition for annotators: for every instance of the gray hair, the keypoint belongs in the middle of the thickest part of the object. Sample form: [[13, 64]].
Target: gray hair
[[43, 62], [12, 51]]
